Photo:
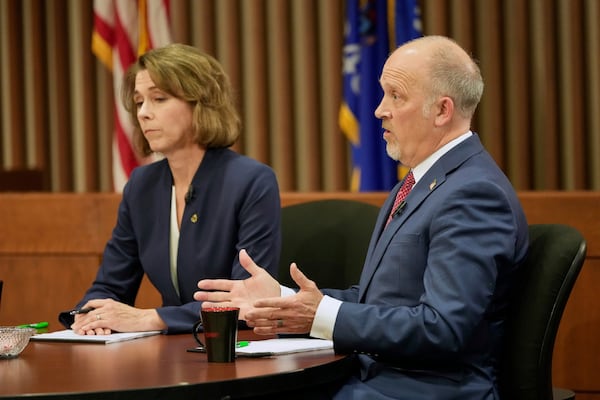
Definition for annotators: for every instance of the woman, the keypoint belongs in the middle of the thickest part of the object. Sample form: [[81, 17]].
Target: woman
[[186, 217]]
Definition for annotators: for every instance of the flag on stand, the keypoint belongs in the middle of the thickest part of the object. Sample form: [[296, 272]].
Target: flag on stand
[[123, 30], [373, 29]]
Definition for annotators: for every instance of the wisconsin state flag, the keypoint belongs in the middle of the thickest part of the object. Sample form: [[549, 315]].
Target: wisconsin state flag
[[373, 29]]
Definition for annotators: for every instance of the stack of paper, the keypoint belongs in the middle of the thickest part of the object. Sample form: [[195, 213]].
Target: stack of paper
[[271, 347], [68, 335]]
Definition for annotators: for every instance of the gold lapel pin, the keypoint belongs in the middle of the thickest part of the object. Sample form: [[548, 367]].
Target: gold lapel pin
[[432, 184], [194, 218]]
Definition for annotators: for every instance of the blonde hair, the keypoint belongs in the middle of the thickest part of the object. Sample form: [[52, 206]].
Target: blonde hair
[[185, 72]]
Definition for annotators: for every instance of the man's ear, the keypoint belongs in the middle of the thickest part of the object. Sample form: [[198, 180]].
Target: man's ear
[[444, 111]]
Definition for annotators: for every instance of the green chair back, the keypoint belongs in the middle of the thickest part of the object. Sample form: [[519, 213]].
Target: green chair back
[[556, 255], [328, 239]]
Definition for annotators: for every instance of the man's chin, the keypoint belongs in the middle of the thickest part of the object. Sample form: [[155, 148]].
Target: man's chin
[[391, 153]]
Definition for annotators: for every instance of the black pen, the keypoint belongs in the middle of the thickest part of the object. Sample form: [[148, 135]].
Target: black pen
[[81, 311]]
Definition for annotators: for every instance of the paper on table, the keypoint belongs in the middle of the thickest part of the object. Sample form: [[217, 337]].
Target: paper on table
[[68, 335], [271, 347]]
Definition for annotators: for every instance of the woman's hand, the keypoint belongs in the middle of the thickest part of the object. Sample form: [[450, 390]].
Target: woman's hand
[[110, 316]]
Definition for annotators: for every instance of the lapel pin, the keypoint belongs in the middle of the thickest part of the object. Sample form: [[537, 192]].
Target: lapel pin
[[432, 184], [194, 218]]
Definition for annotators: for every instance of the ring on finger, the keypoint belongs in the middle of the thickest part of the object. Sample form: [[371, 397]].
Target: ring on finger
[[98, 317], [279, 323]]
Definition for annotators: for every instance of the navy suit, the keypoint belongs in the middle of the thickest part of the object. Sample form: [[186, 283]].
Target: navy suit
[[234, 204], [426, 319]]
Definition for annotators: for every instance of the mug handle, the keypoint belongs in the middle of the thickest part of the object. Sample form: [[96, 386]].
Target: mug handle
[[195, 332]]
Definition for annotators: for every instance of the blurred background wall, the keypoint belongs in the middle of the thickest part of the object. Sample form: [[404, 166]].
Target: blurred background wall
[[539, 117]]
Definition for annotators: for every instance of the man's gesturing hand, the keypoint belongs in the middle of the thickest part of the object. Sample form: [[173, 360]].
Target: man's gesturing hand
[[291, 314], [238, 293]]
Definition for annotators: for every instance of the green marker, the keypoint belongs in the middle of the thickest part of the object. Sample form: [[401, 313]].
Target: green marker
[[37, 325], [242, 344]]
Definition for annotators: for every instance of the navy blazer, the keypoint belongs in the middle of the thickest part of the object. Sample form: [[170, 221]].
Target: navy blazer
[[426, 320], [234, 204]]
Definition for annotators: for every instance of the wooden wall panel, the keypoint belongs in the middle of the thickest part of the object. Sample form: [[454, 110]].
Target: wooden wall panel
[[62, 223], [37, 287], [51, 244]]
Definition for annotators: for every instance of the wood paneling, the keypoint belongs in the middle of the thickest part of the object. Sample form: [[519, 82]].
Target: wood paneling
[[51, 245]]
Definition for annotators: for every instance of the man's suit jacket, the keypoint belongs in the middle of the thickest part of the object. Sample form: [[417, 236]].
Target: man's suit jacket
[[426, 319], [233, 204]]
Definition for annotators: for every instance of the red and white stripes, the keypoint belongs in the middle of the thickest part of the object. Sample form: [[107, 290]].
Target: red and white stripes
[[124, 29]]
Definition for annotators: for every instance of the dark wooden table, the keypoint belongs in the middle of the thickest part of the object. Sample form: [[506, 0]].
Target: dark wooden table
[[159, 367]]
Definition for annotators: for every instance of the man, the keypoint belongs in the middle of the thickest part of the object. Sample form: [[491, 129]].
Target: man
[[427, 318]]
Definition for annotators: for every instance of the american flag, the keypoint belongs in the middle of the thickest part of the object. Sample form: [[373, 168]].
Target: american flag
[[123, 30]]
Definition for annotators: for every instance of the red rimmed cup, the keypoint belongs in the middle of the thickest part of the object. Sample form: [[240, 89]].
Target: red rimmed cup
[[220, 326]]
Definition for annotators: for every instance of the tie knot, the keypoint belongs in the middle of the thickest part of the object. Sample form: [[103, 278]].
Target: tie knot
[[409, 181], [407, 185]]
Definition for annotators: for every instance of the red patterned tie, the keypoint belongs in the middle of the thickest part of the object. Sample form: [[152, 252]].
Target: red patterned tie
[[407, 185]]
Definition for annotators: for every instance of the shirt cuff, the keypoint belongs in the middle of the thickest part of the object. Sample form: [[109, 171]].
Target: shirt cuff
[[286, 291], [325, 317]]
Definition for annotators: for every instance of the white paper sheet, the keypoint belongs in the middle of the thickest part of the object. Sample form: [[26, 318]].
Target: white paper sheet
[[68, 335], [271, 347]]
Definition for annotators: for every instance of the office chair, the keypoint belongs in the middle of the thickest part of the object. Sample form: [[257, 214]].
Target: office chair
[[556, 255], [327, 239]]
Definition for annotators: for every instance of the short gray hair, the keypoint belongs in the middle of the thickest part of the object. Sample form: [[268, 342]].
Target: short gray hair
[[449, 75]]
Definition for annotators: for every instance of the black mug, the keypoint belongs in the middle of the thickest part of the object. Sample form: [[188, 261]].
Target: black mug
[[220, 326]]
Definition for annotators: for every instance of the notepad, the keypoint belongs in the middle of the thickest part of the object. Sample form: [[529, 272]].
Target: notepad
[[271, 347], [68, 335]]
